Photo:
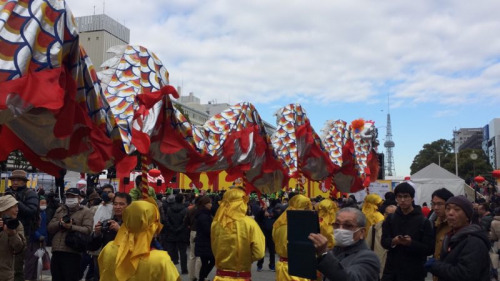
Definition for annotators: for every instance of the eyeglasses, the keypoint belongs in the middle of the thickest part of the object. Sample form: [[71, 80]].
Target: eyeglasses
[[347, 226], [403, 197]]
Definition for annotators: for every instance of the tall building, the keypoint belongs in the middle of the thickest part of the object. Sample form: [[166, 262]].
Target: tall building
[[475, 141], [199, 113], [98, 33], [195, 116], [462, 136], [211, 108], [492, 142]]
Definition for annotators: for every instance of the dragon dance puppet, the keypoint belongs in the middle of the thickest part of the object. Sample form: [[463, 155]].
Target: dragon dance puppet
[[62, 114]]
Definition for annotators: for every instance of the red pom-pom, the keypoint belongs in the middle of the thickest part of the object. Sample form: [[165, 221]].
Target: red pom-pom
[[358, 124]]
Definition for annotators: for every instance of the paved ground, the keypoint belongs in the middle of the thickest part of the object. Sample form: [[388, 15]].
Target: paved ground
[[264, 275]]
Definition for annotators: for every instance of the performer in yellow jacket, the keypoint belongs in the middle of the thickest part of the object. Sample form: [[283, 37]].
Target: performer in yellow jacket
[[280, 237], [236, 238], [370, 209], [327, 210], [129, 257]]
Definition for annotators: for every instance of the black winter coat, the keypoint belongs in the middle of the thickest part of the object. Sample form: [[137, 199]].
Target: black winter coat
[[175, 226], [407, 262], [202, 244], [465, 256], [28, 207], [266, 223], [485, 222]]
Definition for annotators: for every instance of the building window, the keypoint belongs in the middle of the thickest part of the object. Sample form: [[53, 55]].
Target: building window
[[97, 38]]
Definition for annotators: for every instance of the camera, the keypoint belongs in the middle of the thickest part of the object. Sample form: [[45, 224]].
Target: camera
[[66, 219], [105, 225], [11, 223]]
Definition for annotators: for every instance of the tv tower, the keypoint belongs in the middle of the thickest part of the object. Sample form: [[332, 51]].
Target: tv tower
[[389, 144]]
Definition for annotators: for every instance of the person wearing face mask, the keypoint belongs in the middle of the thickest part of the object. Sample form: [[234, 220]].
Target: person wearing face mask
[[65, 263], [105, 209], [36, 241], [350, 259]]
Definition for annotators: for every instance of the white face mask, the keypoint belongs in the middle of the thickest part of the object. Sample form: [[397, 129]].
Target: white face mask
[[344, 237], [43, 207], [71, 202]]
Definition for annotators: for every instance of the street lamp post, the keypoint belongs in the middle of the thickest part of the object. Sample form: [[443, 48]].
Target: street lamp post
[[439, 158], [455, 136], [473, 157]]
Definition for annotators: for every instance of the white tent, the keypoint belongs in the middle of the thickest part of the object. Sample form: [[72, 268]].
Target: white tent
[[433, 177]]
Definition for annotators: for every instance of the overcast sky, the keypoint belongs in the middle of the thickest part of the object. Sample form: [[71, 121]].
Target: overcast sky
[[439, 61]]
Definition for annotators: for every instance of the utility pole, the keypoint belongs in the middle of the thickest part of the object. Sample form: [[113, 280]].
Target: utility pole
[[455, 135]]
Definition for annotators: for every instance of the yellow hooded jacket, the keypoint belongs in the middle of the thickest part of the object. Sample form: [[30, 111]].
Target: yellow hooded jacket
[[237, 240], [129, 257], [327, 210], [280, 236], [370, 209]]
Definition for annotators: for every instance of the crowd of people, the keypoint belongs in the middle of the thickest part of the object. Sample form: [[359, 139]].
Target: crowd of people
[[102, 234]]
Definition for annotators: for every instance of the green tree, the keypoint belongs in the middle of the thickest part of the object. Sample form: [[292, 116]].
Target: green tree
[[431, 153], [469, 168]]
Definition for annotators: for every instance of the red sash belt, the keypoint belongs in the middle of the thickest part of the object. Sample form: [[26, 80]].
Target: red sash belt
[[282, 259], [237, 274]]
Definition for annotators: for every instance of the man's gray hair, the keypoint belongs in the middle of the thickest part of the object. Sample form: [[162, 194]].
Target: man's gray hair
[[360, 217]]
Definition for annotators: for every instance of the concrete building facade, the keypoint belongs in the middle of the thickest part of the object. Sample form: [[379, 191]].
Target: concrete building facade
[[462, 135], [199, 113], [491, 142], [98, 33]]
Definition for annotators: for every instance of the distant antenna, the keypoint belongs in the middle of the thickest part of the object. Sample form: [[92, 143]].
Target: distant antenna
[[103, 6], [94, 10], [389, 144]]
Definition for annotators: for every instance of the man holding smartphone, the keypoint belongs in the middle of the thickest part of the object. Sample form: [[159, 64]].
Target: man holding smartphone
[[408, 237], [350, 259]]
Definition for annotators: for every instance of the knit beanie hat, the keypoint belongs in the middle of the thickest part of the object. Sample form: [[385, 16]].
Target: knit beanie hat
[[463, 203]]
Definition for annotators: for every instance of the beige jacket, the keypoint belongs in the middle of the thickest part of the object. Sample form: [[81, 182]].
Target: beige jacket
[[495, 229], [380, 251], [9, 246], [82, 221]]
